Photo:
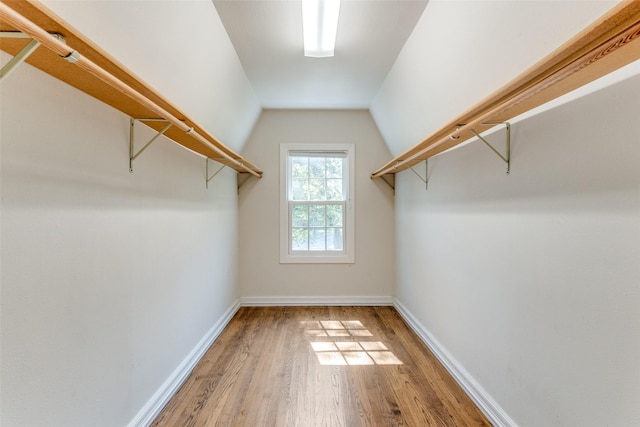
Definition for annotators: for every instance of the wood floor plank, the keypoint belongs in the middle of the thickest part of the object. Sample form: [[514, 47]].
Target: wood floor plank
[[319, 367]]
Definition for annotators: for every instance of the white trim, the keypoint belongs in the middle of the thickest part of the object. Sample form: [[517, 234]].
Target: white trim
[[315, 301], [161, 397], [492, 410], [346, 257]]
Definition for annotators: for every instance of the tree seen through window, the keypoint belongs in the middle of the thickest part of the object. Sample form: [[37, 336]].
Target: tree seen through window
[[317, 202]]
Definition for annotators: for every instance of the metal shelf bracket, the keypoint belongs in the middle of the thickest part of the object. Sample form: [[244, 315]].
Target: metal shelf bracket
[[132, 154], [24, 53], [390, 180], [426, 174], [209, 178], [241, 177], [506, 158]]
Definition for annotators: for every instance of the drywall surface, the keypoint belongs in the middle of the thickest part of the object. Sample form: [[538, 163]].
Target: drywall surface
[[531, 280], [261, 274], [462, 51], [182, 50], [109, 279]]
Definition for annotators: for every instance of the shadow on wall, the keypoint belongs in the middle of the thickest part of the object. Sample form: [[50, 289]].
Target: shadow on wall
[[565, 153]]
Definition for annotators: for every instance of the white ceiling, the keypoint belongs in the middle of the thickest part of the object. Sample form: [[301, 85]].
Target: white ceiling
[[267, 35]]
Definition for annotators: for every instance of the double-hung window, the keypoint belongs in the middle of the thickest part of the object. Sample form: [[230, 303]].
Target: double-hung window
[[317, 203]]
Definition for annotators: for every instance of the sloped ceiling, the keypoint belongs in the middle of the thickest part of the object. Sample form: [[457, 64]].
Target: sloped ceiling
[[267, 36]]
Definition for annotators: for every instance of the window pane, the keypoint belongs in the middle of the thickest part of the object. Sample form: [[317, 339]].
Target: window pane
[[334, 167], [317, 215], [300, 167], [334, 189], [316, 239], [334, 216], [299, 239], [334, 239], [300, 189], [316, 167], [316, 189], [300, 216]]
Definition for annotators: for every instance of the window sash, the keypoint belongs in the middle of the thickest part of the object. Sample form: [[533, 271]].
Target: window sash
[[326, 227], [312, 181]]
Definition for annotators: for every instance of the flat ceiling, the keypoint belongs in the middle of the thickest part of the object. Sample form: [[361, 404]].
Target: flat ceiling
[[267, 36]]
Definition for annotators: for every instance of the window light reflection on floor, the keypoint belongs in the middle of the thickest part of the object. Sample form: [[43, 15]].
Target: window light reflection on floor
[[335, 328], [347, 352]]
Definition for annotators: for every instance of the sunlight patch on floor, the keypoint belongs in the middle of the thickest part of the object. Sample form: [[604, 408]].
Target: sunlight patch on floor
[[352, 353]]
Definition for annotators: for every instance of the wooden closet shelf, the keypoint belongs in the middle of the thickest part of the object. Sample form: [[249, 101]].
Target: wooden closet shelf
[[84, 77], [609, 43]]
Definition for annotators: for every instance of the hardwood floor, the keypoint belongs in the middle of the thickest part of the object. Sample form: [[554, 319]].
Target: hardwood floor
[[319, 367]]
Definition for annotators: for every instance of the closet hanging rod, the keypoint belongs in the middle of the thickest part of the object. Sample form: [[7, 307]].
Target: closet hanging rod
[[21, 23], [601, 48]]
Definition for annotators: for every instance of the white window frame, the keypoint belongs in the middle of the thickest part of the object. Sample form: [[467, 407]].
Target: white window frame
[[347, 256]]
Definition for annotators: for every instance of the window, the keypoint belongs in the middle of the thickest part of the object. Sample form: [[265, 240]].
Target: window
[[317, 203]]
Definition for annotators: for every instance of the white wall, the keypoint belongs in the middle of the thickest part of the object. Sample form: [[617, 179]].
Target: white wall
[[261, 275], [110, 279], [531, 281], [181, 49], [462, 51]]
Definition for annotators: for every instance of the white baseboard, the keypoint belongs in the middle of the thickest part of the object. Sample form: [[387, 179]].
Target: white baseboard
[[152, 408], [314, 301], [496, 415]]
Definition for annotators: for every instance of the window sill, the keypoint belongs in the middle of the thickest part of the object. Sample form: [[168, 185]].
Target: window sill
[[322, 259]]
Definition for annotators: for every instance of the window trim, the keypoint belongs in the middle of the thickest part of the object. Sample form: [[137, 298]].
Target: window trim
[[343, 257]]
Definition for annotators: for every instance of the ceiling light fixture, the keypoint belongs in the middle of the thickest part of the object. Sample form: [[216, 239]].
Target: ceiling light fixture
[[320, 24]]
